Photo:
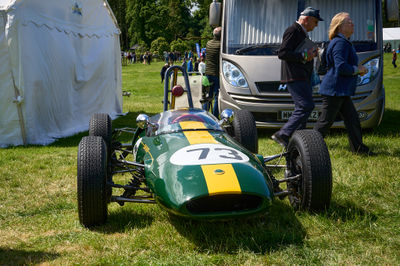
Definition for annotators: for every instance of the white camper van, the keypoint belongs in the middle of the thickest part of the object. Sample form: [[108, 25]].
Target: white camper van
[[250, 68]]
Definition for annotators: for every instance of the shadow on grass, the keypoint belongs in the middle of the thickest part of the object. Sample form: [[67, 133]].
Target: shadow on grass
[[122, 220], [349, 211], [9, 256], [128, 120], [272, 231], [390, 124]]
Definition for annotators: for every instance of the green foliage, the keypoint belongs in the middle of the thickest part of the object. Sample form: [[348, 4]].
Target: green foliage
[[146, 20], [159, 45], [119, 9], [142, 48], [179, 46]]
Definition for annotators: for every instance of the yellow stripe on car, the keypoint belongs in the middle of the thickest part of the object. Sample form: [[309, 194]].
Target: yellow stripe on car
[[198, 136], [220, 178]]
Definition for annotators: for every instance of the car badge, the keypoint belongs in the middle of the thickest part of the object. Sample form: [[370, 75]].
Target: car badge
[[282, 87], [219, 172]]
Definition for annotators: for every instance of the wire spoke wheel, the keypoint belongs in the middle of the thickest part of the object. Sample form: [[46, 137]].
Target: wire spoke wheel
[[309, 158]]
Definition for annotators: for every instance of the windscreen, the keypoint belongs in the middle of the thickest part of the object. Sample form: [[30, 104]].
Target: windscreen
[[256, 27], [257, 22], [171, 121], [362, 12]]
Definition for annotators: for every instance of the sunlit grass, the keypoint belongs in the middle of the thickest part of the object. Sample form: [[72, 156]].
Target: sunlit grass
[[39, 221]]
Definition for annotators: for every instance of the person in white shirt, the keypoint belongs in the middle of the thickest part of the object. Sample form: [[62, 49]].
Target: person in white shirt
[[202, 66]]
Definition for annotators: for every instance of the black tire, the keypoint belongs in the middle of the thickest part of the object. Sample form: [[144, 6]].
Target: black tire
[[309, 157], [101, 125], [91, 181], [244, 130]]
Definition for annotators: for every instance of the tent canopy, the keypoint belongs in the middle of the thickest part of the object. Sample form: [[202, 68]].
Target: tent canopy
[[392, 36], [60, 64]]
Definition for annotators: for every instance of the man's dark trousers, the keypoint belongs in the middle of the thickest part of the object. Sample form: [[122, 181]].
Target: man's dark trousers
[[301, 93]]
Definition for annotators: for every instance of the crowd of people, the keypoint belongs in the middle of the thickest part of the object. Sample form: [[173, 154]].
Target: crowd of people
[[132, 57]]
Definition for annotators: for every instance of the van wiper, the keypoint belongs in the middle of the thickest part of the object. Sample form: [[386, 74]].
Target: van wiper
[[244, 50]]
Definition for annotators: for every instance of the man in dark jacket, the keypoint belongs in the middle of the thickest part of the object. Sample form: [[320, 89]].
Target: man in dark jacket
[[213, 48], [296, 70]]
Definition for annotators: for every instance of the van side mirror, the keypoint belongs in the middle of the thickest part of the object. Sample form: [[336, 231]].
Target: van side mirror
[[391, 9], [215, 13]]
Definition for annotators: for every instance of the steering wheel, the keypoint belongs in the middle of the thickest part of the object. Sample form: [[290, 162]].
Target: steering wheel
[[188, 117]]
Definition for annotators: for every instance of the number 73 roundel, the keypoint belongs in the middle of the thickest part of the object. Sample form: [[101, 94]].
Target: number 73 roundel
[[200, 154]]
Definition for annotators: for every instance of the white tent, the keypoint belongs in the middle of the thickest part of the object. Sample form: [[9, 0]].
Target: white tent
[[392, 36], [59, 64]]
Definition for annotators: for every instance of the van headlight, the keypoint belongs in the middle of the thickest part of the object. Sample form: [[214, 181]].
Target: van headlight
[[233, 75], [373, 70]]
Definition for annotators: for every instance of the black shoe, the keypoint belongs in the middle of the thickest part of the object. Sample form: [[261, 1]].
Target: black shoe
[[280, 139]]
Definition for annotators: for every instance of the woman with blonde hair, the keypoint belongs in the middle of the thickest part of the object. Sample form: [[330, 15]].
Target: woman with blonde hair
[[340, 82]]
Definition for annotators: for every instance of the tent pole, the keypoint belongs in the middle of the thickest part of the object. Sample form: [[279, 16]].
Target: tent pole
[[18, 98]]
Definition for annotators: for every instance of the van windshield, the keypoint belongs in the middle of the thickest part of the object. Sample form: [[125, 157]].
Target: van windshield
[[257, 28]]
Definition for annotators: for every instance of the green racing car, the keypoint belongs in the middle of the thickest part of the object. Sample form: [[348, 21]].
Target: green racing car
[[195, 165]]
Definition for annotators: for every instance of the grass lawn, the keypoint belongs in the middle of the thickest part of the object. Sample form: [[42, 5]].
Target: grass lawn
[[39, 221]]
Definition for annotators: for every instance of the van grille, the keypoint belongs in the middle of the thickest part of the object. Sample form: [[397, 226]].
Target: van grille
[[224, 203], [269, 93]]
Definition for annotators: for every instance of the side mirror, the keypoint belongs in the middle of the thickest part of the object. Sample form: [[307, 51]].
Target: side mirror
[[392, 10], [142, 121], [215, 13], [227, 117]]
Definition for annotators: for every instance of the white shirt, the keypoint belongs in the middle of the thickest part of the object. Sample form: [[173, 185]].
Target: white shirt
[[202, 68]]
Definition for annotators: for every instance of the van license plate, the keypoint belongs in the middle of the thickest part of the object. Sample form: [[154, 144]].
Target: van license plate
[[284, 115]]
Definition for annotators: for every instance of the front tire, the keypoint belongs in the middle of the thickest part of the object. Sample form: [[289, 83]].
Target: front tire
[[309, 158], [91, 181], [244, 130]]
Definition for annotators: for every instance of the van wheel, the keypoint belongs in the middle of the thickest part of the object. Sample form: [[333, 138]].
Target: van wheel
[[244, 130], [308, 157], [91, 181]]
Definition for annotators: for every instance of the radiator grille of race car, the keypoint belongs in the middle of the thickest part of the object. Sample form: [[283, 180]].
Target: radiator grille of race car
[[224, 203]]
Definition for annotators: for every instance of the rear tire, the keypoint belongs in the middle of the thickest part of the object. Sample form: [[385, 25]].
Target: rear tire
[[101, 125], [244, 130], [309, 157], [91, 181]]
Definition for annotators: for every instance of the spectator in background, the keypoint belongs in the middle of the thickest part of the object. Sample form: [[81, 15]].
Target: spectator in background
[[133, 56], [196, 66], [394, 58], [129, 57], [202, 66], [184, 64], [213, 48], [163, 70], [171, 58], [190, 66], [149, 57]]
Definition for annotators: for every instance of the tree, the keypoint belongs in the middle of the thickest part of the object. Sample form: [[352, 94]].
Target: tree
[[119, 9], [159, 46], [178, 46]]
